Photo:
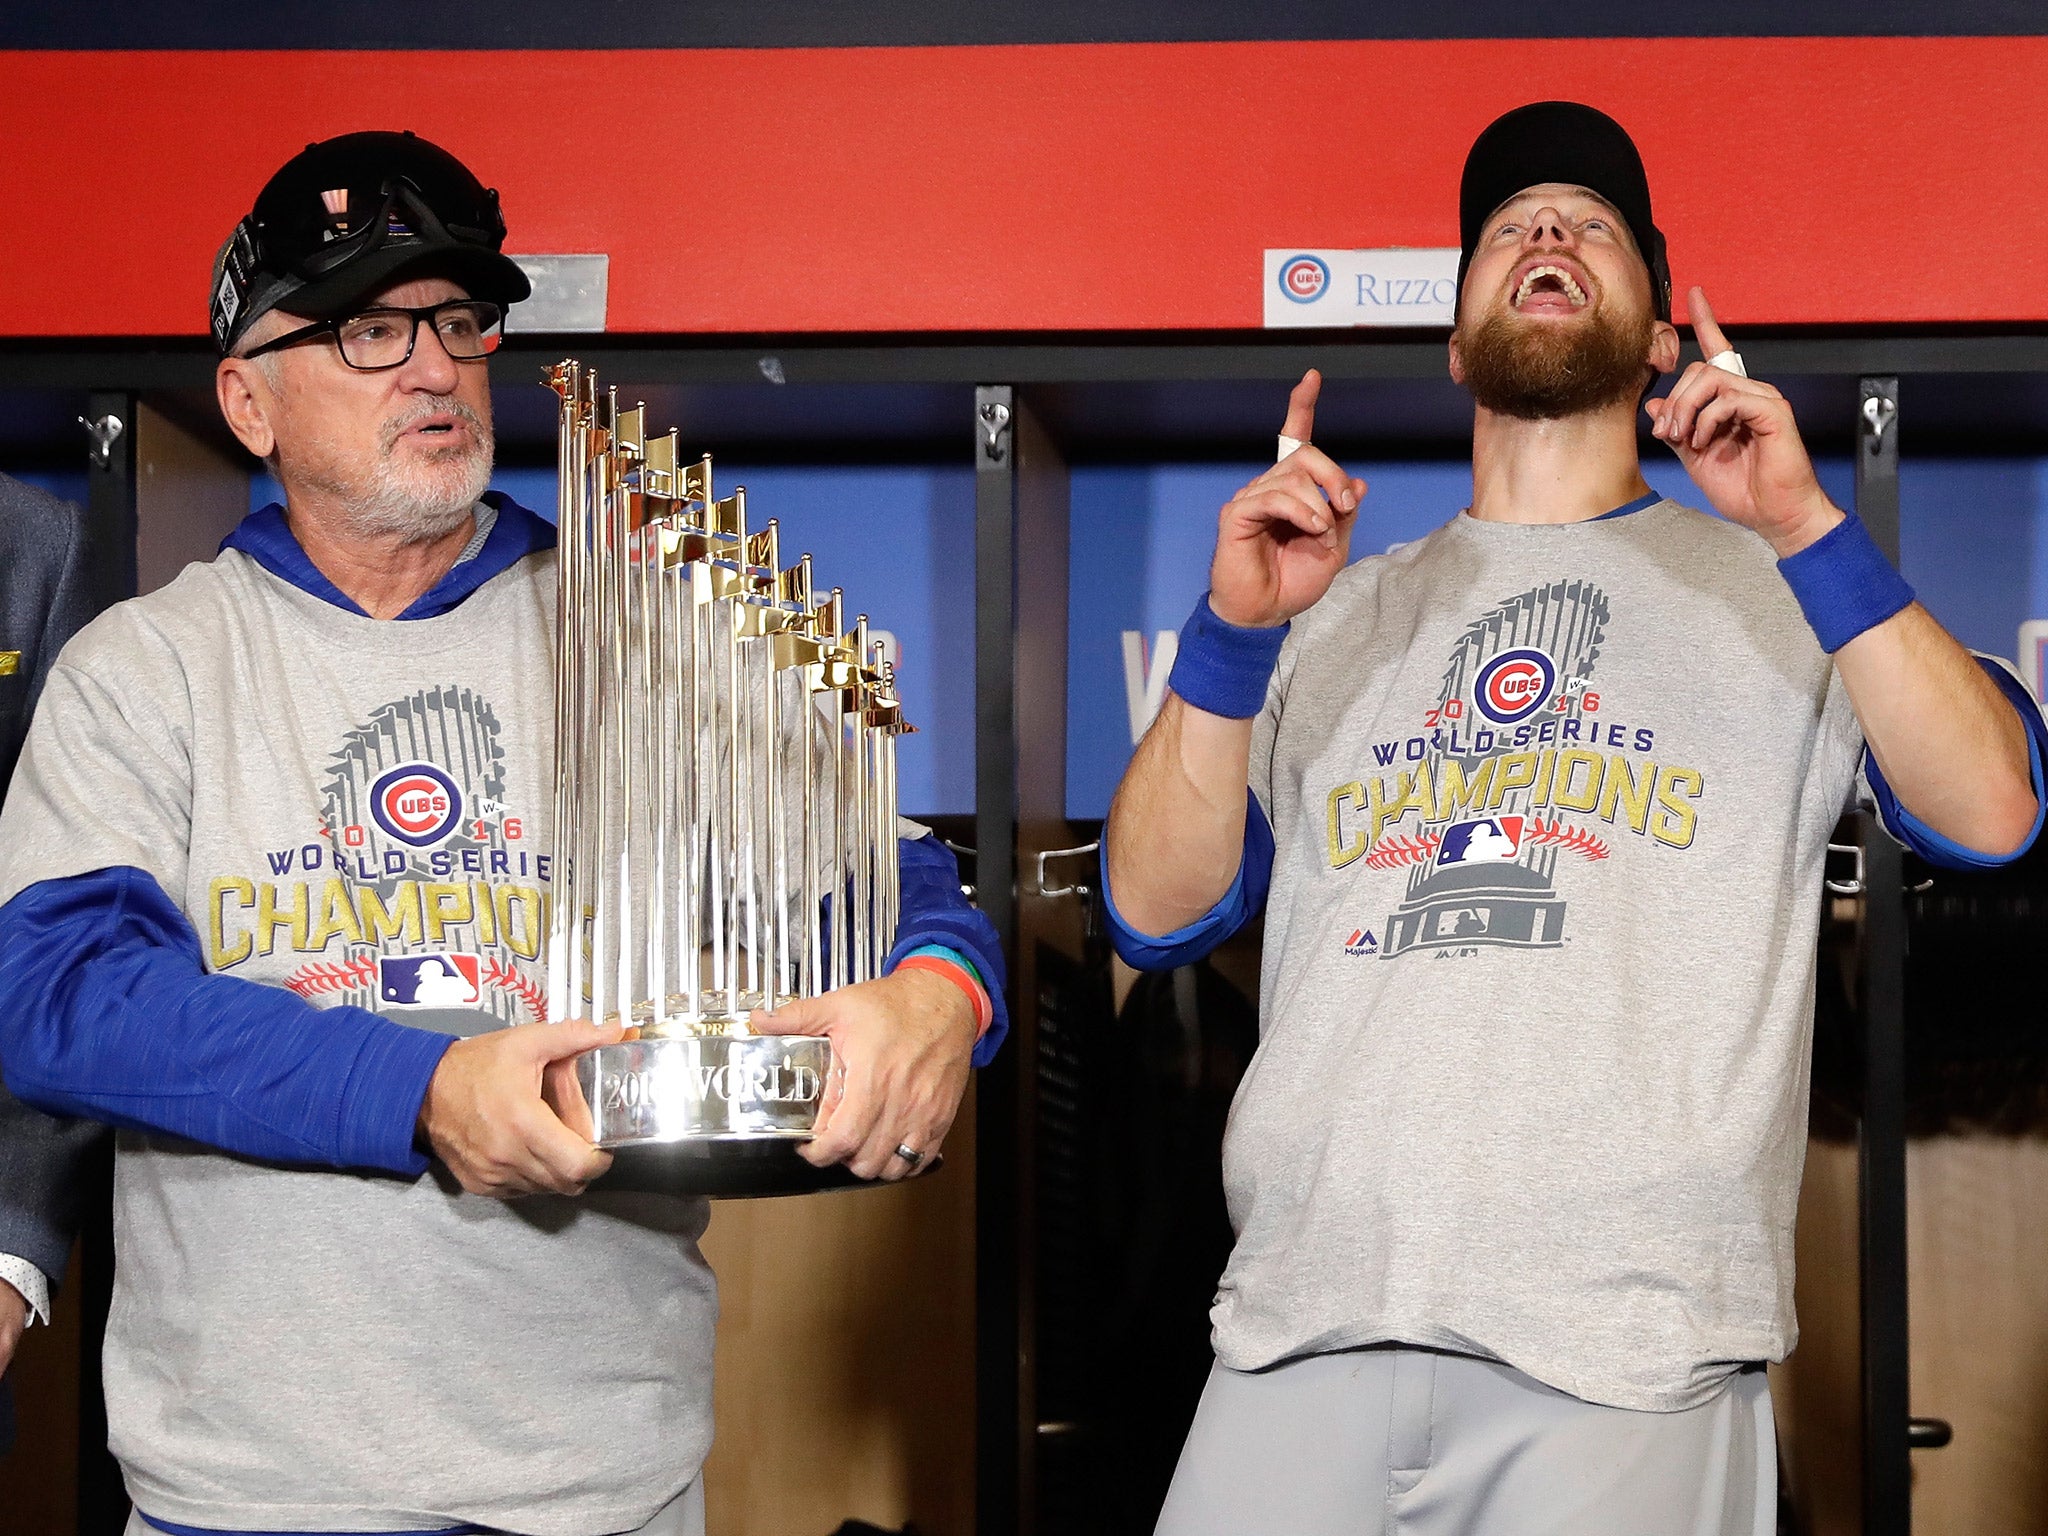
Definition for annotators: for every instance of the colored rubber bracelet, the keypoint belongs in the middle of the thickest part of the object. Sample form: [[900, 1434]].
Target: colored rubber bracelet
[[947, 952], [1223, 668], [984, 1011], [1844, 584]]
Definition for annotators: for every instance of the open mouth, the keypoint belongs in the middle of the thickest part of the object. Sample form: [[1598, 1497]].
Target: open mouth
[[434, 431], [1548, 288]]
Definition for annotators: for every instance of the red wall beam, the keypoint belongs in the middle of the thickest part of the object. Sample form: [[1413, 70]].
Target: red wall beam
[[1802, 180]]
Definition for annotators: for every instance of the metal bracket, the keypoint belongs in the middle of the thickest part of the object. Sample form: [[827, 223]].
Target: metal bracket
[[1879, 411], [995, 427], [1854, 885], [1045, 854], [104, 432]]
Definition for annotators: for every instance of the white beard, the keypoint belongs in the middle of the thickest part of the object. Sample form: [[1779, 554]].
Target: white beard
[[425, 497], [424, 502]]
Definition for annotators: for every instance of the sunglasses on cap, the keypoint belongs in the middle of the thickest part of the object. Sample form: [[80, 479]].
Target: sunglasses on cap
[[309, 230]]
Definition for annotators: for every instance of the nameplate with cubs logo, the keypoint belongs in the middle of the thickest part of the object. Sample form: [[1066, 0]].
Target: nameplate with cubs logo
[[1396, 286]]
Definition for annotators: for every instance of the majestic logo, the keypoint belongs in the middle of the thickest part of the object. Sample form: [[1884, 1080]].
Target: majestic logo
[[416, 803], [1477, 842], [1303, 278], [445, 980], [1362, 942], [1514, 684]]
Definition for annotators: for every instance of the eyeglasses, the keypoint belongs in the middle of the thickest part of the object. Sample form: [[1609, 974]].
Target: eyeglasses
[[377, 339]]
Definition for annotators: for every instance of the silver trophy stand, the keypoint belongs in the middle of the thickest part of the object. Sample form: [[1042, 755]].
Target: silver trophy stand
[[724, 815]]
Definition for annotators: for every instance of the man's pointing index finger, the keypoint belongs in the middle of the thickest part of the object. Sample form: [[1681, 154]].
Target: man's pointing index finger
[[1301, 408], [1704, 329]]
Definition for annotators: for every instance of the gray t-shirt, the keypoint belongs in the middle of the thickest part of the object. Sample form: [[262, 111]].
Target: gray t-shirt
[[1551, 805], [359, 811]]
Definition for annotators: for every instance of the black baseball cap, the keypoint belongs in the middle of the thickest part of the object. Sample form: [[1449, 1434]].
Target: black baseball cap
[[351, 215], [1561, 141]]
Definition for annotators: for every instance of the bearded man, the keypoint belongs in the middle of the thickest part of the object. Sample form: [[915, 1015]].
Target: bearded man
[[1538, 808], [274, 875]]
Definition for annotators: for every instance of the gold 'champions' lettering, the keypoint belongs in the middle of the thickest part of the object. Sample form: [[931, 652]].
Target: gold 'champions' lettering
[[1343, 850], [1650, 799], [248, 918]]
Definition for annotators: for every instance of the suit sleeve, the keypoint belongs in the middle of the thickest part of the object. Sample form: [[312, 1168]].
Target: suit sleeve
[[42, 1157]]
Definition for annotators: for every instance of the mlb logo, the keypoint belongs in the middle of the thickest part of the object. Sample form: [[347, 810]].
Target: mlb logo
[[445, 980], [416, 803], [1452, 923], [1491, 839]]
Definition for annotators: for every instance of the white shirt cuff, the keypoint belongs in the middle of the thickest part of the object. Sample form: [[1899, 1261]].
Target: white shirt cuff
[[32, 1284]]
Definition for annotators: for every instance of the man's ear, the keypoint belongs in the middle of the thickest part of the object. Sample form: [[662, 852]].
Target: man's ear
[[1457, 361], [247, 401], [1663, 354]]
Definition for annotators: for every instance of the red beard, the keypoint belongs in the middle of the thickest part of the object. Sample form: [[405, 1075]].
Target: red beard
[[1541, 372]]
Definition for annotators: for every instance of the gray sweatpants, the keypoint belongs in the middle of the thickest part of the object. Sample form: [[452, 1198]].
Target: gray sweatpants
[[682, 1515], [1411, 1442]]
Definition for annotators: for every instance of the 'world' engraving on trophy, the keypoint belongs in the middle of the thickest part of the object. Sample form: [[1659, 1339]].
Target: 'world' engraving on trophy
[[781, 1082]]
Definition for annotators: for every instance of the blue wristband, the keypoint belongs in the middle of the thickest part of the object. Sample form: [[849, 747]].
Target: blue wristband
[[1223, 668], [1844, 584]]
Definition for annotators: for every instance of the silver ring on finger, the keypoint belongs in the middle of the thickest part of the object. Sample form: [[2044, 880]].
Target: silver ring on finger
[[909, 1155]]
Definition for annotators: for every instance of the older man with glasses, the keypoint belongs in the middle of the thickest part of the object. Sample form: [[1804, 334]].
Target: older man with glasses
[[275, 876]]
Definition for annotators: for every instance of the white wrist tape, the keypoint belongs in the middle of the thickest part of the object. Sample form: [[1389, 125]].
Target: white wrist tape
[[1289, 444], [1729, 361]]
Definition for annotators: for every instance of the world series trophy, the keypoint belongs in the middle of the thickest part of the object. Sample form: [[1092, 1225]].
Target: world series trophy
[[725, 805]]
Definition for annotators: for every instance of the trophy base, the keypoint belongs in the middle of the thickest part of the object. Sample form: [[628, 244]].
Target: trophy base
[[705, 1090], [720, 1170]]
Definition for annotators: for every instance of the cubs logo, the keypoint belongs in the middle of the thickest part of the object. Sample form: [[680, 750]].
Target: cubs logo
[[445, 980], [1478, 842], [1303, 279], [1514, 685], [416, 803]]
